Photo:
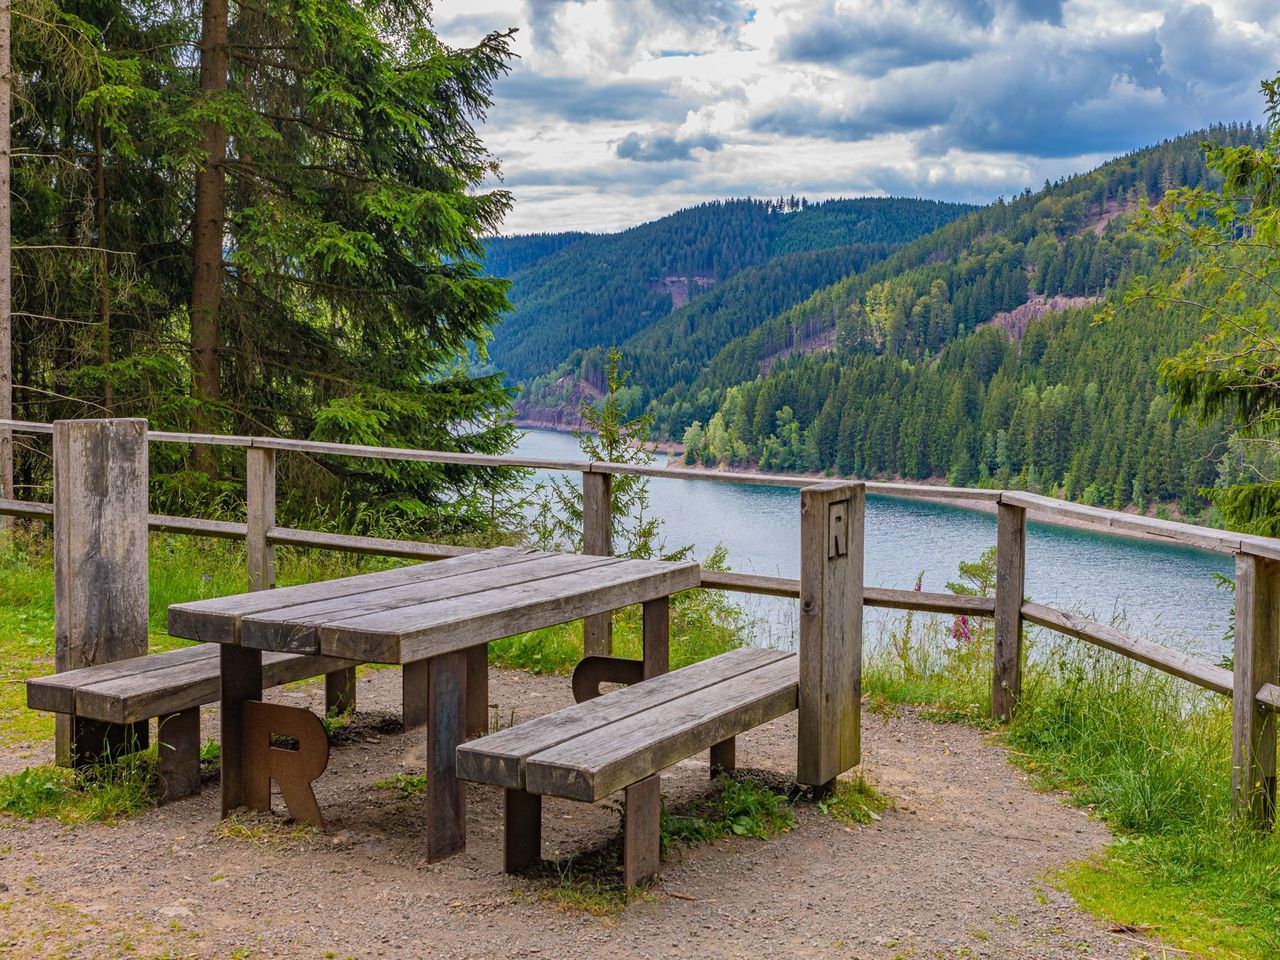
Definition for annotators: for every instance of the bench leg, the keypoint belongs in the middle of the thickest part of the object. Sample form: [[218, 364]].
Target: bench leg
[[724, 757], [522, 829], [241, 682], [81, 742], [641, 831], [446, 798], [657, 636], [179, 754], [478, 691], [340, 691], [414, 708]]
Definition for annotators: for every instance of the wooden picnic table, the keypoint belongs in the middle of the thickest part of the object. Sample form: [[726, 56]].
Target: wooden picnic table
[[436, 619]]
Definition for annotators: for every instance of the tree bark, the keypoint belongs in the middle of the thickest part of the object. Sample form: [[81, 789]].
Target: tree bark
[[209, 227], [104, 277], [6, 240]]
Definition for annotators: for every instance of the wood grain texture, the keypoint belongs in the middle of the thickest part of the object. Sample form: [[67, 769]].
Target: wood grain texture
[[1256, 663], [477, 691], [425, 630], [595, 764], [178, 755], [830, 662], [217, 620], [498, 758], [296, 628], [99, 550], [241, 681], [1163, 658], [641, 831], [260, 511], [446, 728], [597, 540], [340, 691], [117, 696], [1011, 567], [56, 693], [656, 619]]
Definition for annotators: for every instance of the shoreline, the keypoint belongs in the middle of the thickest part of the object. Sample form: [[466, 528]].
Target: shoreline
[[674, 450]]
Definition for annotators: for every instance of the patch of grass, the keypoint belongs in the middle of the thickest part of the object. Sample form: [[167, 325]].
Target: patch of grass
[[406, 785], [264, 830], [855, 802], [736, 807], [103, 794], [1145, 752]]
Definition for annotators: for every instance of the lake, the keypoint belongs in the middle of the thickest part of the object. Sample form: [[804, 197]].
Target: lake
[[1165, 593]]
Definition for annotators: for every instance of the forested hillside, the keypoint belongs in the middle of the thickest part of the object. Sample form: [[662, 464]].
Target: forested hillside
[[913, 379], [600, 290]]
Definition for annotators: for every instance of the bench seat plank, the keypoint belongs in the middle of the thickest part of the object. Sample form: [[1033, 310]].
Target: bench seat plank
[[218, 619], [604, 760], [498, 758], [293, 628], [56, 693], [129, 691]]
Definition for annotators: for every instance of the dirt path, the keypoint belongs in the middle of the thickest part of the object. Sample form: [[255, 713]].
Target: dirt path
[[958, 869]]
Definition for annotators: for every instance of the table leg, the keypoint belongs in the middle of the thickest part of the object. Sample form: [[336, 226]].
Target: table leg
[[241, 681], [446, 723], [478, 691], [657, 637]]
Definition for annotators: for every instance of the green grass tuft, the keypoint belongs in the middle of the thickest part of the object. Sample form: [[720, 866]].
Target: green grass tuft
[[99, 794], [406, 785], [855, 802], [735, 807]]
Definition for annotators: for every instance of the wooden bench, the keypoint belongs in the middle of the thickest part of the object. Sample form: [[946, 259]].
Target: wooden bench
[[172, 686], [622, 741]]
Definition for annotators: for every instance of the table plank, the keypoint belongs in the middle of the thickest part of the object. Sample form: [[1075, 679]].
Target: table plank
[[217, 620], [293, 628], [497, 758], [603, 761], [420, 631]]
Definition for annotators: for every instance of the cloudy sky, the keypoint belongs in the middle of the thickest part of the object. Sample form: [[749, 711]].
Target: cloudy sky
[[619, 111]]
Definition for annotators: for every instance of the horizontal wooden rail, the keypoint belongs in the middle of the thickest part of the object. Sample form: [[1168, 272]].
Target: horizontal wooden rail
[[1041, 507], [1185, 666], [367, 546], [885, 597]]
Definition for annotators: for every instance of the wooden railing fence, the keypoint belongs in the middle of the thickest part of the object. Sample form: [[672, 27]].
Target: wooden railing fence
[[1253, 684]]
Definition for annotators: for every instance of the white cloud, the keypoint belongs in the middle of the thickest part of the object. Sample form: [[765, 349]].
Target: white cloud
[[622, 110]]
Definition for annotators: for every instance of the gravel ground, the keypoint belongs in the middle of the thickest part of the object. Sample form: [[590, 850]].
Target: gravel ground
[[958, 869]]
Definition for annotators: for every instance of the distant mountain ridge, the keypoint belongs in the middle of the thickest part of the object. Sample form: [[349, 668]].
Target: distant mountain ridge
[[572, 293]]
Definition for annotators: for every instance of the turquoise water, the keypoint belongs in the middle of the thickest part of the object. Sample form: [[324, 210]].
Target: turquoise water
[[1165, 593]]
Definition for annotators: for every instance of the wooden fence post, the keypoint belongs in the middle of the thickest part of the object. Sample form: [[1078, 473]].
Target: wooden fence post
[[1011, 569], [831, 548], [260, 508], [99, 566], [1257, 661], [597, 541]]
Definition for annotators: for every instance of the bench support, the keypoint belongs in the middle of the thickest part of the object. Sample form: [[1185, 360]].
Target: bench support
[[446, 797], [478, 691], [178, 736], [641, 831], [522, 829], [724, 757], [340, 692], [95, 741], [241, 682]]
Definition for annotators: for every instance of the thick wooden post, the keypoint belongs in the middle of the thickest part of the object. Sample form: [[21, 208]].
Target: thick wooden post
[[1011, 568], [831, 542], [99, 564], [1257, 661], [597, 541], [260, 507]]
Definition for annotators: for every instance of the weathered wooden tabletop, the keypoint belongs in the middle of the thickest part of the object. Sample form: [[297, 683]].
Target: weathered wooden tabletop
[[419, 612]]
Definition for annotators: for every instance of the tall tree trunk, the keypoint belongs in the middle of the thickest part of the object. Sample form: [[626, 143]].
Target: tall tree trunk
[[104, 278], [208, 229], [6, 279]]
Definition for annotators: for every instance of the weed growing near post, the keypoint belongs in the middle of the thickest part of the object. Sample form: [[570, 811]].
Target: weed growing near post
[[103, 794], [742, 808], [855, 802], [406, 785]]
